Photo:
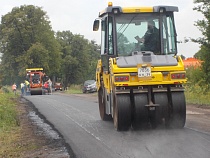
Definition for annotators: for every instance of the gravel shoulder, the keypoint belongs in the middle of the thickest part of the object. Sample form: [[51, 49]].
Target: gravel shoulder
[[198, 118], [47, 141]]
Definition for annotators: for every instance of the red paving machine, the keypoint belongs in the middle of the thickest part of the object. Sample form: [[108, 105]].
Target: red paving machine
[[36, 77]]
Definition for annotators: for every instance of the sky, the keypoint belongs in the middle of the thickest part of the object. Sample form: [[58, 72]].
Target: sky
[[77, 16]]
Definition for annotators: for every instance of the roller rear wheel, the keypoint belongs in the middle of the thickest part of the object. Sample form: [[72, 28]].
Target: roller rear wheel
[[140, 115], [178, 114], [36, 91], [102, 106], [161, 110], [122, 112]]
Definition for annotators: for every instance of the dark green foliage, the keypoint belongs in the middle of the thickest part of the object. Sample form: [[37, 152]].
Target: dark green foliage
[[79, 57], [27, 41], [203, 6], [195, 76]]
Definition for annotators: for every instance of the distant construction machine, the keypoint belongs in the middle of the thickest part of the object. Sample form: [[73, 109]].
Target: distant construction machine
[[140, 84], [36, 78]]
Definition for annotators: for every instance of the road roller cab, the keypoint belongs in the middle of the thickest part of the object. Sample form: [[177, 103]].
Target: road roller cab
[[36, 78], [140, 81]]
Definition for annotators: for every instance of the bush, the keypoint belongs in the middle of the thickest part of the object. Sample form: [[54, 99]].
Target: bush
[[196, 90], [5, 89]]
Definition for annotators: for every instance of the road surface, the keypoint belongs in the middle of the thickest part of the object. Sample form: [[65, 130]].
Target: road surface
[[77, 119]]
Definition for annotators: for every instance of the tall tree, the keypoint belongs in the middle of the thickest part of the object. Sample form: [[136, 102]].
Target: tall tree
[[94, 51], [27, 40], [203, 6], [79, 57]]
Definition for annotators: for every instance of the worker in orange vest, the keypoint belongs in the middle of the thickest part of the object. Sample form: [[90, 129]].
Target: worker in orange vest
[[14, 88], [46, 87]]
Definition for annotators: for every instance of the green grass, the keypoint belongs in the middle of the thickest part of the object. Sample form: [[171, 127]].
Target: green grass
[[9, 123], [8, 114], [197, 95], [74, 89], [13, 143]]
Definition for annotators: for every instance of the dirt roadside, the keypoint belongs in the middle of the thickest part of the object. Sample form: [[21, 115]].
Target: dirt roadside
[[49, 143], [198, 118]]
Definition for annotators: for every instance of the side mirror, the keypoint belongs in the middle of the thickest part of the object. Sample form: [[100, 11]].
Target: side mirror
[[96, 25]]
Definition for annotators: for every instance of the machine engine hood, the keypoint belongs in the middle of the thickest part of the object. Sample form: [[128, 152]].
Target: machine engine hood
[[146, 57]]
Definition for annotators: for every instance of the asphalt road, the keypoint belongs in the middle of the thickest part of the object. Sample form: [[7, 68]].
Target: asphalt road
[[77, 119]]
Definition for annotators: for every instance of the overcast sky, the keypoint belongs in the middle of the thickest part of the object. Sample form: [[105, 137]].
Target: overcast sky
[[77, 16]]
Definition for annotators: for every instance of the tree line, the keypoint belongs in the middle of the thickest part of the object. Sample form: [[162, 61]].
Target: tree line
[[201, 76], [28, 41]]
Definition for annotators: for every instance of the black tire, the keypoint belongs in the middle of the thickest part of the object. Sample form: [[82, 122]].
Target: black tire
[[122, 112], [36, 92], [161, 111], [140, 114], [178, 114], [102, 106]]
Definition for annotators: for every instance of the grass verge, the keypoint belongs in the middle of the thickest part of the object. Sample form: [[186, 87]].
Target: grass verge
[[197, 95], [74, 89], [14, 140], [77, 89]]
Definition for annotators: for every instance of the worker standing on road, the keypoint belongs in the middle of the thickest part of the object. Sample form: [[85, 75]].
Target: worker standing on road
[[46, 87], [27, 86], [22, 86], [50, 86], [14, 88]]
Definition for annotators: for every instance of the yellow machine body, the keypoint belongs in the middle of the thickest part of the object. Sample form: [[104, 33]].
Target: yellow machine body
[[137, 85]]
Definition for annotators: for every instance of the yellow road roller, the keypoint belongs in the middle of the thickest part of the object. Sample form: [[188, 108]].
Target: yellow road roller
[[139, 76]]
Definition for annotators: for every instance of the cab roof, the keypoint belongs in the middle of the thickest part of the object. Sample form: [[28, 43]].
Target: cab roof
[[118, 9], [34, 69]]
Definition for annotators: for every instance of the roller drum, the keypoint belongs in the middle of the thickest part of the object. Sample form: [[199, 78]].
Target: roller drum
[[122, 112], [140, 114], [36, 91]]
